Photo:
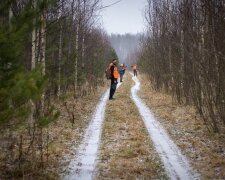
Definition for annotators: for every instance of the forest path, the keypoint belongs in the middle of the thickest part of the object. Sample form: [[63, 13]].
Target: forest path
[[126, 151], [83, 164], [176, 165], [133, 144]]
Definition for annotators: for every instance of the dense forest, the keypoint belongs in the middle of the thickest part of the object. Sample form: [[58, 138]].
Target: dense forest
[[183, 53], [48, 49]]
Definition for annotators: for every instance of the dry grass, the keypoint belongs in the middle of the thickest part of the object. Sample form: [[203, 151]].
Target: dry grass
[[126, 151], [67, 136], [206, 151], [63, 137]]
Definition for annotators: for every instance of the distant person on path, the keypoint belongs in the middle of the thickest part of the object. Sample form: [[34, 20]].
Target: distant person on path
[[114, 76], [122, 72], [135, 70]]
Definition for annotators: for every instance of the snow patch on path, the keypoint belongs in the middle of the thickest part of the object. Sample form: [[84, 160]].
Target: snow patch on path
[[176, 165], [83, 165]]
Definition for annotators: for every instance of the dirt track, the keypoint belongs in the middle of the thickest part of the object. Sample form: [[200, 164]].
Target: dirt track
[[133, 143]]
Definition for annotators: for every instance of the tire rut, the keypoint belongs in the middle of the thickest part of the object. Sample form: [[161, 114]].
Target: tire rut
[[176, 165]]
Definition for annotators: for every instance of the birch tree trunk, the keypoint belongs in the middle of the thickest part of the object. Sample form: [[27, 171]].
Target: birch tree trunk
[[59, 63], [34, 39], [10, 17], [43, 41], [83, 37], [76, 58], [60, 49], [43, 51], [182, 62], [77, 46]]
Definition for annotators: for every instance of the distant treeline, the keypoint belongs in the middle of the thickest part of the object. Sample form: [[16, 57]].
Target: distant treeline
[[126, 46]]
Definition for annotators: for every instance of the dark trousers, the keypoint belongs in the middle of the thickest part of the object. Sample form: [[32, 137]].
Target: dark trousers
[[135, 72], [121, 77], [113, 87]]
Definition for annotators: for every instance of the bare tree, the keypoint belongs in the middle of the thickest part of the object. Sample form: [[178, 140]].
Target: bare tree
[[183, 50]]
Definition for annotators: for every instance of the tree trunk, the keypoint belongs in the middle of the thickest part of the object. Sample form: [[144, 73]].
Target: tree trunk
[[43, 41], [43, 51], [34, 38], [77, 46], [76, 58], [59, 63], [10, 17], [181, 74]]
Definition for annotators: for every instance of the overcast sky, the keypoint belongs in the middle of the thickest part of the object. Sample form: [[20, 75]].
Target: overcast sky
[[124, 17]]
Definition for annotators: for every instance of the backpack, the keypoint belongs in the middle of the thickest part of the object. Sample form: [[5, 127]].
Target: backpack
[[108, 73]]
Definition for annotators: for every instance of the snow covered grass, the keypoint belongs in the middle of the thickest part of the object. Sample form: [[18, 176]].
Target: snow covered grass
[[67, 136], [126, 151], [205, 151], [176, 165]]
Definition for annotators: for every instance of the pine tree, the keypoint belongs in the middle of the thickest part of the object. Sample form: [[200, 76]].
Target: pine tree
[[18, 85]]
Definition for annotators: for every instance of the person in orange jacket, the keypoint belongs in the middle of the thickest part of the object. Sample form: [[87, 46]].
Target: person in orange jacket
[[135, 69], [114, 76]]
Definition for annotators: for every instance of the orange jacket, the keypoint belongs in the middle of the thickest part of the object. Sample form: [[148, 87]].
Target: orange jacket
[[115, 73], [135, 67]]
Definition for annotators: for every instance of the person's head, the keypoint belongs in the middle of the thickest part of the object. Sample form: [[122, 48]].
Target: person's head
[[114, 61]]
